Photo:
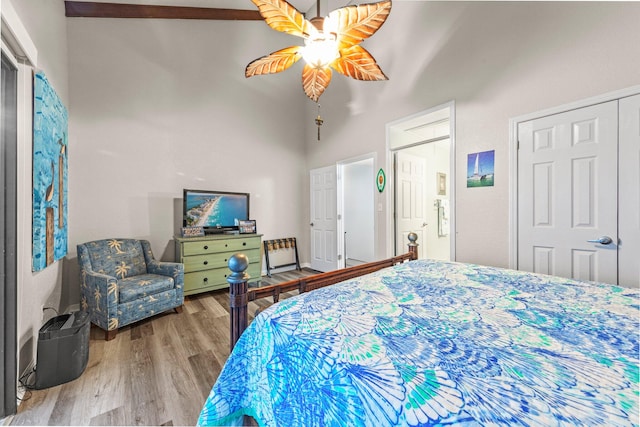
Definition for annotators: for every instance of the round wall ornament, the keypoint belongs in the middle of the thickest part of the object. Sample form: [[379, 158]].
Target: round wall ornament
[[381, 180]]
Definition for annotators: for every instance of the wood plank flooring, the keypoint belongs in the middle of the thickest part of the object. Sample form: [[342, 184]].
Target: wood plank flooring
[[156, 372]]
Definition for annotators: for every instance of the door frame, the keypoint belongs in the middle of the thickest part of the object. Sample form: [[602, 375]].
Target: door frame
[[17, 44], [514, 122], [8, 263], [391, 184]]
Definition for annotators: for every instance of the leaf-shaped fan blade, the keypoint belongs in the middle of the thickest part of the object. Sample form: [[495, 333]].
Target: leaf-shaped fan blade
[[274, 62], [352, 24], [315, 81], [283, 17], [357, 63]]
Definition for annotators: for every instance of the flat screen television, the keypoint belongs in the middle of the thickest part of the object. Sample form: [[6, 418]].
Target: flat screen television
[[215, 211]]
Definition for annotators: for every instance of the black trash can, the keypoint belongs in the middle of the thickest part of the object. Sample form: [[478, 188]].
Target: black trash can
[[63, 349]]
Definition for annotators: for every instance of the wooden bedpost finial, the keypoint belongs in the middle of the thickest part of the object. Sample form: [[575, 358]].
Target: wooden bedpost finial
[[413, 246], [238, 287], [238, 264]]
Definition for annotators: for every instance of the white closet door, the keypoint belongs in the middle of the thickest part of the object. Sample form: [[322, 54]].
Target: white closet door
[[629, 193], [567, 194]]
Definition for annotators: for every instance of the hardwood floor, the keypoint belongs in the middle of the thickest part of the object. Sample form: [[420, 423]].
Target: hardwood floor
[[156, 372]]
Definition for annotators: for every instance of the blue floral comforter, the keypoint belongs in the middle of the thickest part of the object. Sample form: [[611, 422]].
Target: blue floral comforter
[[438, 343]]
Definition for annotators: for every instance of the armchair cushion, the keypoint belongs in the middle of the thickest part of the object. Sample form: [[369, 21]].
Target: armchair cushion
[[135, 287], [132, 311], [117, 257]]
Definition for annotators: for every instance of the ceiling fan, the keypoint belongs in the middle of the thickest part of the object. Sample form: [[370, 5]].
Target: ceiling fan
[[331, 42]]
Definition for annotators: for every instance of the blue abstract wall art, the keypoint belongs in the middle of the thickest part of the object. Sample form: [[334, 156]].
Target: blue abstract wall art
[[50, 129]]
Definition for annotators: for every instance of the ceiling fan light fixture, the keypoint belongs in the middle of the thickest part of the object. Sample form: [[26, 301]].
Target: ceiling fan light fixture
[[320, 50], [330, 43]]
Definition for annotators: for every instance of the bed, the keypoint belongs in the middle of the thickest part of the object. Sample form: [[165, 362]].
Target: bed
[[427, 342]]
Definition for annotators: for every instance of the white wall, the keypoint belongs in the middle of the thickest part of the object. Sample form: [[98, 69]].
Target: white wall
[[162, 105], [45, 24], [442, 160], [496, 60]]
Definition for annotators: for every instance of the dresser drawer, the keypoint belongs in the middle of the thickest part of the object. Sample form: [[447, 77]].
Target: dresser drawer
[[215, 246], [215, 278], [216, 260], [206, 260], [206, 279]]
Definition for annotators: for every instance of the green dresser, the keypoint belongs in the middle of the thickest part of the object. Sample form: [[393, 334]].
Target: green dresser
[[205, 259]]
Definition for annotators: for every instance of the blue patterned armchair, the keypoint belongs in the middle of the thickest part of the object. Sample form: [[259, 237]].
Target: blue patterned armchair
[[122, 283]]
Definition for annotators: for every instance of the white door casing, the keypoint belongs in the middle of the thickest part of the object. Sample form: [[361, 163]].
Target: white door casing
[[567, 193], [323, 226], [629, 192], [410, 200], [423, 128]]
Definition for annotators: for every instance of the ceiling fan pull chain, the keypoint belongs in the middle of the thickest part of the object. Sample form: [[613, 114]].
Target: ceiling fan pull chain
[[319, 121]]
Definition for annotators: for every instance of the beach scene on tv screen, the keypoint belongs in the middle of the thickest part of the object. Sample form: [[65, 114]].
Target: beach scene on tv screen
[[213, 210]]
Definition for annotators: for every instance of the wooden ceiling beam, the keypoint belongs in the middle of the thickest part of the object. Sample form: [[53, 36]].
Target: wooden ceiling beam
[[87, 9]]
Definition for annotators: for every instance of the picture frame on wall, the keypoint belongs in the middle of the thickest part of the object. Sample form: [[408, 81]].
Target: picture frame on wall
[[50, 175], [441, 183], [247, 226], [480, 169]]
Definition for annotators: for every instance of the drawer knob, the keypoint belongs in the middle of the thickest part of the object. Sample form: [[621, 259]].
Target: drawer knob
[[244, 243], [206, 262], [206, 279], [206, 247]]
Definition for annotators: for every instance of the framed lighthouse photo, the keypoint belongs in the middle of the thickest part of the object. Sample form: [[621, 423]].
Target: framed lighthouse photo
[[480, 169]]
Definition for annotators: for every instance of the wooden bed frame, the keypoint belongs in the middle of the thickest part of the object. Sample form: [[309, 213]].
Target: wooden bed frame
[[240, 294]]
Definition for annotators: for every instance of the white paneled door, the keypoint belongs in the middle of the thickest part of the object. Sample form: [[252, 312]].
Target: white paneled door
[[324, 247], [410, 200], [629, 192], [568, 194]]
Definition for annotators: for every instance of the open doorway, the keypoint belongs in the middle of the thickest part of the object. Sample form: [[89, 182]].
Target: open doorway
[[422, 194], [356, 210], [343, 220]]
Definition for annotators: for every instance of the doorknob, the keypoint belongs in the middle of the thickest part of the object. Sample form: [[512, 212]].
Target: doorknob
[[311, 224], [604, 240], [424, 224]]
